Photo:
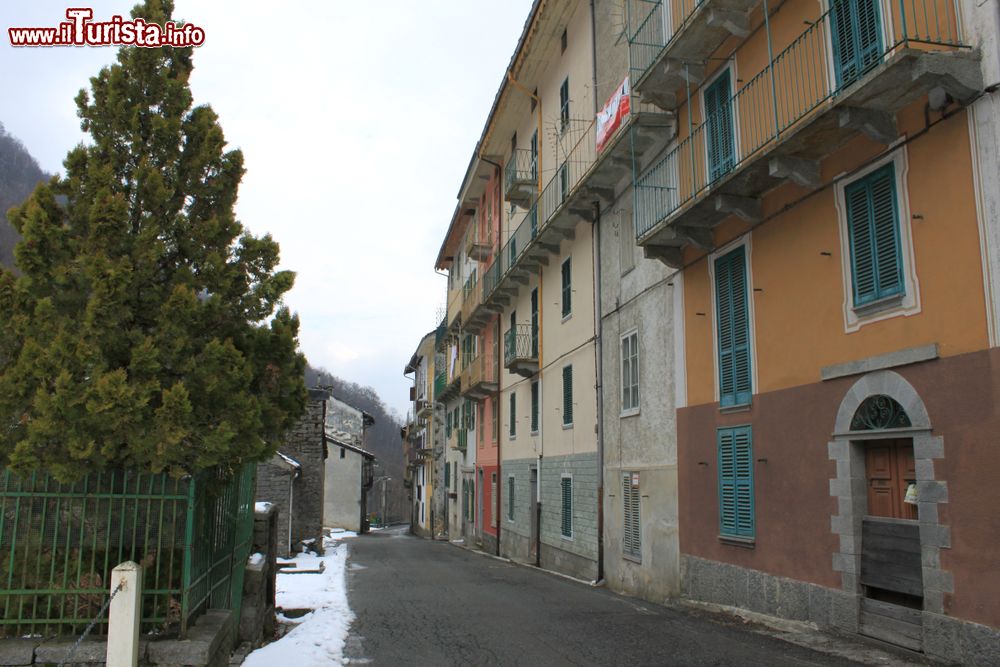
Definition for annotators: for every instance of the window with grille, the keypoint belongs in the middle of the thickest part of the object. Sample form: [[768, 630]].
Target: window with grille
[[736, 501], [513, 414], [493, 499], [567, 387], [566, 523], [631, 516], [510, 498], [733, 328], [630, 372]]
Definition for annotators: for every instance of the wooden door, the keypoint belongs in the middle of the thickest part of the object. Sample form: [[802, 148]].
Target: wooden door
[[889, 470]]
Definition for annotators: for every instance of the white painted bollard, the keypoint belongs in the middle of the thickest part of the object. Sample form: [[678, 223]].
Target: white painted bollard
[[125, 615]]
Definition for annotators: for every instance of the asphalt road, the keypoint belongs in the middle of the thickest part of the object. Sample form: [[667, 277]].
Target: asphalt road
[[420, 602]]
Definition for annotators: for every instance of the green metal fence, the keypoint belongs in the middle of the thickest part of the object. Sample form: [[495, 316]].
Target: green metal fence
[[59, 543]]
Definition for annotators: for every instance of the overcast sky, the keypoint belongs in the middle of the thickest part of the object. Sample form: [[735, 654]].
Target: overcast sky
[[356, 120]]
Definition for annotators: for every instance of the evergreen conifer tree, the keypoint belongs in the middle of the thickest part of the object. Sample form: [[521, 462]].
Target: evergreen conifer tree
[[145, 329]]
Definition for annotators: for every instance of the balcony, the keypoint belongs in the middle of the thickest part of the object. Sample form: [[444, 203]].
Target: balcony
[[473, 316], [479, 377], [475, 248], [796, 111], [462, 440], [521, 177], [424, 408], [669, 40], [520, 350], [441, 335]]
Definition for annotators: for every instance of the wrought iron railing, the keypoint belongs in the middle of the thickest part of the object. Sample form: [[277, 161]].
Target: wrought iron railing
[[521, 170], [60, 541], [520, 343], [794, 84]]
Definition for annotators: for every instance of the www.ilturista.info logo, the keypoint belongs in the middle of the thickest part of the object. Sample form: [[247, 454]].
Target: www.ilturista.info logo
[[81, 31]]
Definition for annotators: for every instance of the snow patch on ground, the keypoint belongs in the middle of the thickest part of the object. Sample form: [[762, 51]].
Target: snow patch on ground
[[318, 637], [256, 559], [261, 507]]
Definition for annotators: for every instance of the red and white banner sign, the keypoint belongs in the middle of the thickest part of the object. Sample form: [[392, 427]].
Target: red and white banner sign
[[610, 118]]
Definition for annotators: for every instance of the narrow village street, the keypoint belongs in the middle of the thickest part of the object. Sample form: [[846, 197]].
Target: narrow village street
[[421, 602]]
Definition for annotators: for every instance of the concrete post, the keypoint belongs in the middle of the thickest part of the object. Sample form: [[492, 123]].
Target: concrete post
[[125, 615]]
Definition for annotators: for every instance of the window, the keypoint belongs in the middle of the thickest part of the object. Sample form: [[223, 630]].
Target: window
[[493, 499], [626, 238], [343, 452], [513, 414], [494, 404], [480, 407], [510, 498], [534, 407], [534, 155], [447, 476], [631, 516], [567, 378], [736, 511], [857, 38], [566, 525], [563, 182], [567, 288], [470, 413], [874, 237], [733, 328], [534, 323], [564, 105], [719, 121], [630, 372]]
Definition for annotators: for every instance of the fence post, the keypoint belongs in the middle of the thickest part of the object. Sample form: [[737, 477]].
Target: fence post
[[125, 615]]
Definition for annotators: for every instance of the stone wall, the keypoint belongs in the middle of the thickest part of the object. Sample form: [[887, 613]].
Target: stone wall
[[274, 480], [305, 444], [257, 621]]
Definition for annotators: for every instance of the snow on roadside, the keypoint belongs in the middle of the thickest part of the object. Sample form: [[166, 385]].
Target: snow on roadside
[[318, 637]]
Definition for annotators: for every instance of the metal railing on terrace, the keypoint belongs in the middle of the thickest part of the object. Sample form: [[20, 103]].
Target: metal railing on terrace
[[520, 343], [578, 157], [648, 32], [60, 541], [797, 82], [520, 175], [471, 295]]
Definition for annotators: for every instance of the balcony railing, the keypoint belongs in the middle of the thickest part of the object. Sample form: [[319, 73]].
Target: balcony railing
[[463, 440], [471, 296], [479, 377], [781, 99], [521, 176], [520, 347]]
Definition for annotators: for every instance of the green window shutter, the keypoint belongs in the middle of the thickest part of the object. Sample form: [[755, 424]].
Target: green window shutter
[[567, 288], [719, 132], [564, 104], [736, 494], [733, 328], [874, 236], [447, 476], [566, 525], [534, 407], [513, 414], [567, 381]]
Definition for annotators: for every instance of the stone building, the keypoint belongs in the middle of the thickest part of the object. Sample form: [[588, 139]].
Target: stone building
[[293, 480]]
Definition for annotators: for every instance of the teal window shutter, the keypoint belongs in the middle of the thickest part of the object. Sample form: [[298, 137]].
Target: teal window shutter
[[567, 380], [720, 133], [564, 104], [733, 328], [567, 287], [857, 38], [447, 476], [566, 525], [874, 236], [736, 494]]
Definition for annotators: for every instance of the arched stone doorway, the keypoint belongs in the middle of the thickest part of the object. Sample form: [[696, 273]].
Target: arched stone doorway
[[889, 555]]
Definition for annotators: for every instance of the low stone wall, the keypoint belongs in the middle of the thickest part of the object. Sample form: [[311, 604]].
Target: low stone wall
[[944, 638], [257, 621], [208, 644]]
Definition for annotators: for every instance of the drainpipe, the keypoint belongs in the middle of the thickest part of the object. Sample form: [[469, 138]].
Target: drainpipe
[[599, 360], [598, 352], [541, 428]]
